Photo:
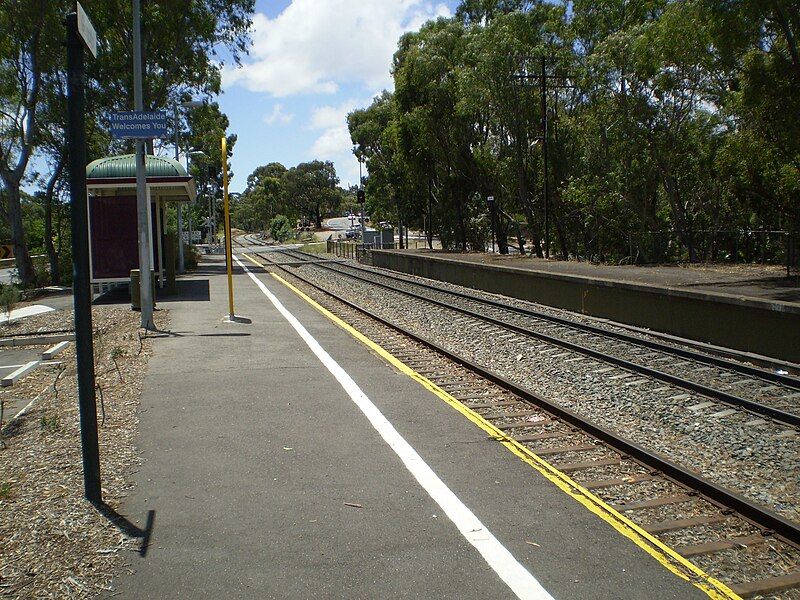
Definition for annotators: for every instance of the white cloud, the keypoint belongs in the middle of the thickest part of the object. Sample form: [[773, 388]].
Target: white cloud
[[325, 117], [278, 116], [329, 117], [334, 142], [316, 46]]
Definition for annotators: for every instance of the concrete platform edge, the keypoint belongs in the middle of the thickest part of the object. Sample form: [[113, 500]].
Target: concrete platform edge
[[763, 327]]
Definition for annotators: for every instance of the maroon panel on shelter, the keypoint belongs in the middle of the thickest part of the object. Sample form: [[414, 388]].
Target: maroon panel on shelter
[[114, 243]]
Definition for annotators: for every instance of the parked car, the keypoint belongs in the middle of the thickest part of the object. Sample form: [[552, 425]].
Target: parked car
[[352, 233], [385, 225]]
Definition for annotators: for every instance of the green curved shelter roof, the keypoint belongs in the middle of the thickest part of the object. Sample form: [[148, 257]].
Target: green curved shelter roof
[[124, 166]]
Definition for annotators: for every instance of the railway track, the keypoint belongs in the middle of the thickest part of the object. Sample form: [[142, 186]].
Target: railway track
[[762, 392], [752, 549]]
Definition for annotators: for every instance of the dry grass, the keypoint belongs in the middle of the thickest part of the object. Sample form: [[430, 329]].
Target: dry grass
[[53, 543]]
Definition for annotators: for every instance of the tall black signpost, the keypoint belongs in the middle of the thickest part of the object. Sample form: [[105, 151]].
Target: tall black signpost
[[80, 34]]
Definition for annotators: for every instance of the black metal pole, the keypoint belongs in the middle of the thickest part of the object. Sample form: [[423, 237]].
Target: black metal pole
[[430, 213], [81, 288], [491, 214], [544, 153]]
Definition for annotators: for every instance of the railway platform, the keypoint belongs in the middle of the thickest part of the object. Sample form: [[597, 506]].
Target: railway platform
[[752, 309], [284, 458]]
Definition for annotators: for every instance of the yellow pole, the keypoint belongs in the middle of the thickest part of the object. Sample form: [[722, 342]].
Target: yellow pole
[[228, 241]]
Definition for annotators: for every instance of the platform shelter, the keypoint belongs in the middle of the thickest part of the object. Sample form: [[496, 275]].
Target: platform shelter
[[111, 197]]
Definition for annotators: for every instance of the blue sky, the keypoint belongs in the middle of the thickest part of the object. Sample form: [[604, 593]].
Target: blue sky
[[313, 61]]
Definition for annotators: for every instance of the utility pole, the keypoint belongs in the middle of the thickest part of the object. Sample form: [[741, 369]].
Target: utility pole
[[362, 197], [228, 240], [544, 156], [490, 202], [430, 213], [78, 26], [142, 201], [559, 82], [181, 263]]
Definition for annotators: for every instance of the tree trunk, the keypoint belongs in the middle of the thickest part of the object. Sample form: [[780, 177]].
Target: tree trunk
[[502, 232], [559, 223], [534, 230], [23, 259], [462, 226], [400, 227], [55, 276]]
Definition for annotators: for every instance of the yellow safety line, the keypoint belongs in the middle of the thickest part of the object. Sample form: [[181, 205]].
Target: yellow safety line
[[665, 555]]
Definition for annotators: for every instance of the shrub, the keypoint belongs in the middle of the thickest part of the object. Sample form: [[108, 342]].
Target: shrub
[[190, 256], [9, 296], [280, 229]]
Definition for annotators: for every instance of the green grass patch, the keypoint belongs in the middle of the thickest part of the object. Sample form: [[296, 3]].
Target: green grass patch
[[50, 423], [5, 491], [315, 248]]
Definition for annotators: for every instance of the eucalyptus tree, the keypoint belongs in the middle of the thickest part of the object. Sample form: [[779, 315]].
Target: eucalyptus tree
[[671, 117], [28, 58], [310, 189], [394, 189], [262, 200], [206, 126], [758, 61], [435, 131], [181, 43]]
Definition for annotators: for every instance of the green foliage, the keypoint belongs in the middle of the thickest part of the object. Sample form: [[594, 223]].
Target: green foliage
[[182, 43], [6, 491], [672, 126], [9, 297], [262, 200], [306, 192], [191, 257], [280, 229], [310, 190], [50, 423]]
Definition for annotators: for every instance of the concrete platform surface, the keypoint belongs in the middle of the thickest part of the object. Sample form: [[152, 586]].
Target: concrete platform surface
[[763, 282], [266, 479]]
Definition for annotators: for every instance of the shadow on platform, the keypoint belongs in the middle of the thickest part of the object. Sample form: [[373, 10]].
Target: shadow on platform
[[187, 290], [161, 333], [128, 528], [216, 269]]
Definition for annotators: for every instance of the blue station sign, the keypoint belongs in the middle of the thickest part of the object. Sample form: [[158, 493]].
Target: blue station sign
[[138, 125]]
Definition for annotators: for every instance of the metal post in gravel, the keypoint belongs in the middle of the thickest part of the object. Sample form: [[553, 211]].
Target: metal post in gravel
[[81, 286]]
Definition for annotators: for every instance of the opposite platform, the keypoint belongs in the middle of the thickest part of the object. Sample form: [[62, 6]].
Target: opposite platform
[[760, 316], [268, 465]]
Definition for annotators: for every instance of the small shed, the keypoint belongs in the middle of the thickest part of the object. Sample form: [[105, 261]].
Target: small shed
[[111, 197]]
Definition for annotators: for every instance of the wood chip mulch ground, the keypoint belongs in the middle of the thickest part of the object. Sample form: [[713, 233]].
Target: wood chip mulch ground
[[53, 543]]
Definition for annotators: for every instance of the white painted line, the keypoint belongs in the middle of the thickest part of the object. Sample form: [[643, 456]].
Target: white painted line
[[53, 350], [43, 363], [25, 409], [12, 378], [516, 577], [41, 340], [26, 311]]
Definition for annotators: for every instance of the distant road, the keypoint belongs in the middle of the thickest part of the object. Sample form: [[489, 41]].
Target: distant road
[[6, 276], [340, 223]]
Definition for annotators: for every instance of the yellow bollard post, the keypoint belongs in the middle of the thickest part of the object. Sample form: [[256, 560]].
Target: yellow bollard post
[[228, 240]]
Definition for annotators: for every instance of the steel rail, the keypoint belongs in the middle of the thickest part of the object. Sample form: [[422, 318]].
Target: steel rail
[[755, 513], [787, 380], [750, 405]]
